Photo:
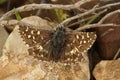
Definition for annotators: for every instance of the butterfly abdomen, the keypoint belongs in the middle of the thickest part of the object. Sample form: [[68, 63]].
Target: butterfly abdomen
[[58, 41]]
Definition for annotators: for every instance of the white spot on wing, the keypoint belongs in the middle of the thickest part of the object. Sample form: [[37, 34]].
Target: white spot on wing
[[33, 37], [34, 41], [90, 39], [80, 42], [27, 45], [23, 32], [73, 41], [72, 51], [84, 51], [65, 64], [78, 54], [26, 29], [29, 36], [76, 59], [77, 36], [90, 46], [88, 35], [68, 59], [83, 37], [41, 55], [40, 47], [84, 41], [32, 32], [76, 49], [38, 32]]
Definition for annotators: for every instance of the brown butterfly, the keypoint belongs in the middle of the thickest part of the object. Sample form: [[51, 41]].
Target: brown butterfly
[[57, 45]]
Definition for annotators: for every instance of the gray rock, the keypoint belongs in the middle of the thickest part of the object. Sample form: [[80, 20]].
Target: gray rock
[[17, 64], [107, 70], [3, 36]]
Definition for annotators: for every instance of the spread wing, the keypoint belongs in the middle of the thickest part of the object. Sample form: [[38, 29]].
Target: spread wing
[[77, 44], [38, 41]]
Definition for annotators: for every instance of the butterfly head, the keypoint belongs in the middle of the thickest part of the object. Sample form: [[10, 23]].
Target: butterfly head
[[60, 28]]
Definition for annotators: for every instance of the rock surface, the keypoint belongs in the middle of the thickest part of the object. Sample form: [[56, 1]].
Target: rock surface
[[107, 45], [3, 37], [17, 64], [39, 22], [107, 70]]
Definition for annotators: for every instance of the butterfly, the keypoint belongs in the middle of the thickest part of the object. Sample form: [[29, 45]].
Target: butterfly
[[59, 45]]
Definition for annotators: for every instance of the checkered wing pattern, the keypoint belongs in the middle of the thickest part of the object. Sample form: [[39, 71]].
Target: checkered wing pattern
[[39, 42], [77, 44]]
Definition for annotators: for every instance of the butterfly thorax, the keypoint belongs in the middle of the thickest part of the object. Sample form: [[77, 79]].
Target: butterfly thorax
[[58, 41]]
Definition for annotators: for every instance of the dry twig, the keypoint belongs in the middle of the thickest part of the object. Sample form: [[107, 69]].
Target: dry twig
[[86, 19], [89, 12], [14, 22], [108, 15], [96, 25], [45, 6], [106, 32], [116, 55], [65, 7]]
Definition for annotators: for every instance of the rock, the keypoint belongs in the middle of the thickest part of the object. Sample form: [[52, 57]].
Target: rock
[[108, 39], [32, 20], [107, 70], [39, 22], [17, 64], [3, 37]]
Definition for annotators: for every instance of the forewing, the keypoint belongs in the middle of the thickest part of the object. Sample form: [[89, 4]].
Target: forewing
[[38, 41], [77, 44]]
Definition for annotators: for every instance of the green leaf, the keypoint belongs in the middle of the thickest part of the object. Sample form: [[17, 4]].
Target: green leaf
[[82, 24], [61, 15], [2, 1], [93, 18], [18, 17]]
